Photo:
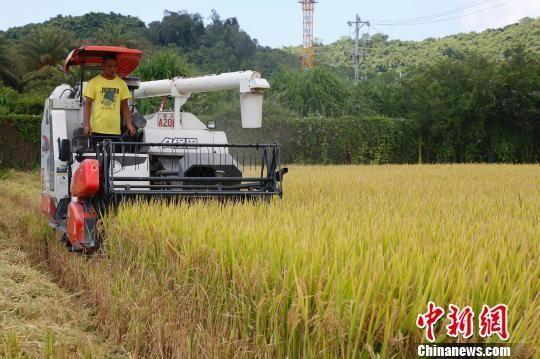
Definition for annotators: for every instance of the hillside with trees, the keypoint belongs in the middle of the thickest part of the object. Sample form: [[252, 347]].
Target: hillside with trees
[[379, 54], [463, 98], [216, 45]]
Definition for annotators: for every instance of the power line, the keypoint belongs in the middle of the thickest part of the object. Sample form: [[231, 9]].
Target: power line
[[374, 28], [444, 19], [436, 15]]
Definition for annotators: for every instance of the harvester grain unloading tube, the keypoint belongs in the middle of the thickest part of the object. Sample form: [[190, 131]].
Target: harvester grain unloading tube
[[250, 84]]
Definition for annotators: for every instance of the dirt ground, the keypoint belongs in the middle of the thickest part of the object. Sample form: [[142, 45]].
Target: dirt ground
[[38, 319]]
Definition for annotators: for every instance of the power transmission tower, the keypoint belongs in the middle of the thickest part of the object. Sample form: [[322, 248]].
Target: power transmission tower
[[358, 25], [308, 53]]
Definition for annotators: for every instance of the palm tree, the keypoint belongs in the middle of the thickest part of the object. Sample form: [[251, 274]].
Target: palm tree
[[7, 76], [45, 47], [115, 35], [43, 80]]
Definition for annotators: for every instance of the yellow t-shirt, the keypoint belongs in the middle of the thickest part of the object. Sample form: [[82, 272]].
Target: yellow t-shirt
[[106, 96]]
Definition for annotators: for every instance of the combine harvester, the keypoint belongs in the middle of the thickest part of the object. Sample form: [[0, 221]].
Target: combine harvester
[[172, 155]]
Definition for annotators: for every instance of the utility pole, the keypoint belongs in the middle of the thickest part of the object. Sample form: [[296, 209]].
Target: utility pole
[[358, 25]]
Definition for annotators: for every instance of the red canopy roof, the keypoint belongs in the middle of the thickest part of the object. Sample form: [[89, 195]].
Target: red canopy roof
[[92, 56]]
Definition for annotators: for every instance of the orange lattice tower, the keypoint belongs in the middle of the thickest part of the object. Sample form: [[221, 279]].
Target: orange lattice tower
[[308, 53]]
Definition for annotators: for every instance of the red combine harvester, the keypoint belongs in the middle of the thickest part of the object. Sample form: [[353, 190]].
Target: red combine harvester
[[172, 155]]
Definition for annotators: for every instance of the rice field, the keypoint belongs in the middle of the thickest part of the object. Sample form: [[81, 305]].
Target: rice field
[[340, 267]]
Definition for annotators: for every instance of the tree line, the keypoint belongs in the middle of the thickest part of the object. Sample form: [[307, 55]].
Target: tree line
[[463, 105]]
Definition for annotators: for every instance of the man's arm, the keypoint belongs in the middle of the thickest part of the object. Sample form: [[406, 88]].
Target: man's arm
[[87, 114], [126, 114]]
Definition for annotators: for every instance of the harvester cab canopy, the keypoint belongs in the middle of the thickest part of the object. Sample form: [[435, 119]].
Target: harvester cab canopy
[[90, 57]]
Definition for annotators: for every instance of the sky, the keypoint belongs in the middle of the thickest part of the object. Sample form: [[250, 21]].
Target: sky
[[278, 23]]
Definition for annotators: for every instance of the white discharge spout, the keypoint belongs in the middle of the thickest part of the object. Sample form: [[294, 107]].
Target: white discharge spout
[[249, 83]]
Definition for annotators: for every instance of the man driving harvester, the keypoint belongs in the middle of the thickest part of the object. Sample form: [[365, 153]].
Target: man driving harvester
[[106, 96]]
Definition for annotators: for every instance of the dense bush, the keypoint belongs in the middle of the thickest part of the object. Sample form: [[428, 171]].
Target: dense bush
[[313, 140], [315, 92], [477, 110], [13, 102], [165, 64], [19, 141], [376, 140]]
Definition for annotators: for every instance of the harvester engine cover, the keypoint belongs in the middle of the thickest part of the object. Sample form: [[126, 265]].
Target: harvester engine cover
[[86, 179]]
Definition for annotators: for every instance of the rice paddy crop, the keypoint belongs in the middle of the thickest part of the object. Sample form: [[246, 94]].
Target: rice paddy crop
[[340, 267]]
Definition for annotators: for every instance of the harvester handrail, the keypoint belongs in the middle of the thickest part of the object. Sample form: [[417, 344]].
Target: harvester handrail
[[155, 144]]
